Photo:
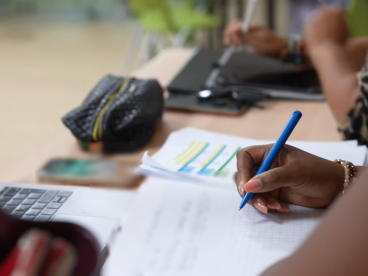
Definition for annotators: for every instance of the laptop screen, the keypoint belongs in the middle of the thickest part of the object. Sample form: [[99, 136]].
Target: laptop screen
[[244, 69]]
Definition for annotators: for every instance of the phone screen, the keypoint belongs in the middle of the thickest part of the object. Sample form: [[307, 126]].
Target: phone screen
[[76, 168]]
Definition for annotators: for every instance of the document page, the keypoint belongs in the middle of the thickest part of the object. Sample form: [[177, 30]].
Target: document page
[[211, 157], [179, 229]]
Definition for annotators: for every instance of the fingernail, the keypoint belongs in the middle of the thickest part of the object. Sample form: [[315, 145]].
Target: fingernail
[[241, 188], [284, 209], [274, 205], [252, 186], [261, 207]]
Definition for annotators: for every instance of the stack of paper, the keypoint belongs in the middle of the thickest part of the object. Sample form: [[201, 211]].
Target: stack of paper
[[208, 157]]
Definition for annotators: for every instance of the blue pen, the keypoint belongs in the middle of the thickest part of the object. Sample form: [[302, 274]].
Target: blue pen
[[275, 151]]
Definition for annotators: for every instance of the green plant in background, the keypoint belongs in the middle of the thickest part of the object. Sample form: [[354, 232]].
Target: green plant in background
[[58, 1], [171, 17], [358, 18]]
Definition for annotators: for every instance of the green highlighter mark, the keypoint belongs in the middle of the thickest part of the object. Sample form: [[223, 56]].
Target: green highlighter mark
[[224, 173]]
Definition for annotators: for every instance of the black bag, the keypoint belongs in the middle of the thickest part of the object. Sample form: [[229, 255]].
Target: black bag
[[122, 113]]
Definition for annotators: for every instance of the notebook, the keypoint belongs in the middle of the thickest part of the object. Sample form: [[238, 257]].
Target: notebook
[[178, 229], [209, 158], [187, 223]]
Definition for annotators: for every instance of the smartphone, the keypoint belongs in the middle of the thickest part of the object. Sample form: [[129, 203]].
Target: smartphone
[[88, 172]]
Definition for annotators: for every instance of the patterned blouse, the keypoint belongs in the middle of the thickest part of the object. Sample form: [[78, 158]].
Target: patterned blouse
[[355, 126]]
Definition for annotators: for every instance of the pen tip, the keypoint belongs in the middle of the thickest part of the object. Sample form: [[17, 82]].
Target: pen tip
[[239, 209]]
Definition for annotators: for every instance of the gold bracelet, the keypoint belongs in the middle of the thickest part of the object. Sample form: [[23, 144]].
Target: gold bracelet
[[349, 170]]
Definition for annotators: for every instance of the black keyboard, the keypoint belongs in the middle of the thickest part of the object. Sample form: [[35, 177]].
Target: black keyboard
[[32, 204]]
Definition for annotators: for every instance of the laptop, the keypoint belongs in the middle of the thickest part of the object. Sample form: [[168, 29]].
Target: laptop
[[231, 68], [101, 211]]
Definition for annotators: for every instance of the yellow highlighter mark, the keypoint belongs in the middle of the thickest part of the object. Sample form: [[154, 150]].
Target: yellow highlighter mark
[[189, 154], [213, 156], [185, 151], [195, 154]]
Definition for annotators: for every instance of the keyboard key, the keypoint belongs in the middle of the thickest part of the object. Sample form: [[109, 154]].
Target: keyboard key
[[14, 202], [17, 214], [23, 208], [12, 191], [39, 206], [20, 196], [5, 198], [54, 205], [42, 218], [34, 196], [3, 190], [29, 191], [56, 199], [2, 204], [47, 197], [33, 212], [25, 191], [48, 212], [63, 199], [8, 209], [29, 202], [25, 217], [65, 193]]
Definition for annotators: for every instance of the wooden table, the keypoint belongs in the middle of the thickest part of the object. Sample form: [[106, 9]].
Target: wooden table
[[317, 124]]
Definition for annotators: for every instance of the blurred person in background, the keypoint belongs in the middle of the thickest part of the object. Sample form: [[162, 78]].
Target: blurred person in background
[[326, 47]]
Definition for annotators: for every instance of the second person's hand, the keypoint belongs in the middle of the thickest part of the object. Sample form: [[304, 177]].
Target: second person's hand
[[295, 177], [328, 27], [260, 38]]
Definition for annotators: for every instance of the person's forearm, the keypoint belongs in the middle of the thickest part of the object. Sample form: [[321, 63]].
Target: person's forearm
[[339, 246], [356, 49], [359, 170], [337, 77]]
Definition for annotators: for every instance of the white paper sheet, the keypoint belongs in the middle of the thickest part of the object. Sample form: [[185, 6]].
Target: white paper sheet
[[211, 157], [177, 229]]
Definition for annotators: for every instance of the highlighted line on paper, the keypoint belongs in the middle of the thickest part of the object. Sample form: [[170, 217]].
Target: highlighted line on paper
[[193, 157], [213, 158], [186, 150], [220, 172], [184, 159]]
